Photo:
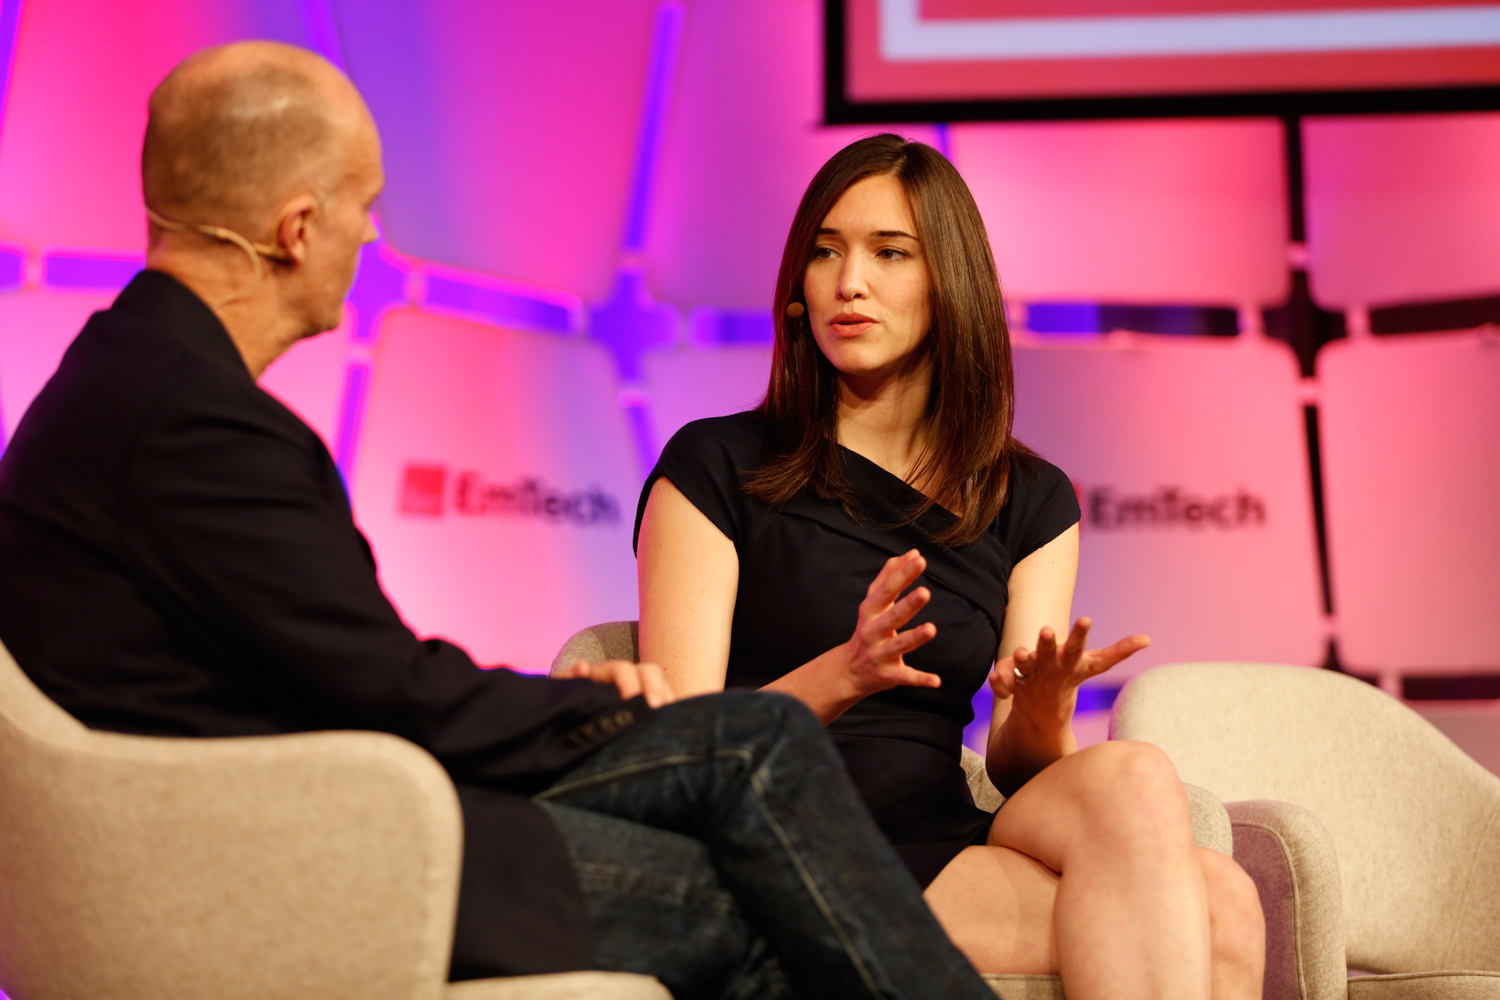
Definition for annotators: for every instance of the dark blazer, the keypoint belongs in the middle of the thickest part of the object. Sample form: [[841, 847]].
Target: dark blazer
[[178, 558]]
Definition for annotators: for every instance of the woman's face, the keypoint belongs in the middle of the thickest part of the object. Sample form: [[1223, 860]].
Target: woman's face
[[867, 285]]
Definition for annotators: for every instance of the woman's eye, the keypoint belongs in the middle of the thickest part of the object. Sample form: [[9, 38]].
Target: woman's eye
[[822, 253], [891, 253]]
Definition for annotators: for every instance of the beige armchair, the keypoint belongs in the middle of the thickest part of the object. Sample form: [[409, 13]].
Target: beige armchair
[[275, 868], [621, 641], [1374, 840]]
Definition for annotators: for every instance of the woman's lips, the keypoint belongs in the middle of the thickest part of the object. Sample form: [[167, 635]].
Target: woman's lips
[[851, 324]]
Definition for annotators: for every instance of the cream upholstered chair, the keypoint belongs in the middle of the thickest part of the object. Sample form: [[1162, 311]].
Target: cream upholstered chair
[[1377, 836], [276, 868], [621, 641]]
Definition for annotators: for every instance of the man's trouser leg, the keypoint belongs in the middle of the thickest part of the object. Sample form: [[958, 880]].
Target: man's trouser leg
[[755, 779], [658, 907]]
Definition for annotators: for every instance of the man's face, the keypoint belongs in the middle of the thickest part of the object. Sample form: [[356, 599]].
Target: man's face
[[341, 227]]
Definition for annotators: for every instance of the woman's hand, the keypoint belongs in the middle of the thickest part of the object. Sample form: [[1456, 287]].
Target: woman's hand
[[630, 679], [1049, 677], [873, 658]]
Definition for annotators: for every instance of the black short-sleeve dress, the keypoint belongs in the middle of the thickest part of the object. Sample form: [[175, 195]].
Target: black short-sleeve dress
[[805, 567]]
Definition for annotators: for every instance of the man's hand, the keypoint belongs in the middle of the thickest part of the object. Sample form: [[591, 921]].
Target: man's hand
[[630, 678]]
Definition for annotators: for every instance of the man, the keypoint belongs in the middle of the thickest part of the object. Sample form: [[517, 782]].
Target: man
[[177, 557]]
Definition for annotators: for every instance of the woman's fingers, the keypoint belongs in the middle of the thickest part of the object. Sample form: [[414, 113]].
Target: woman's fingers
[[898, 573], [912, 677], [900, 613], [1077, 641], [1046, 645], [1102, 659], [904, 642], [1003, 678]]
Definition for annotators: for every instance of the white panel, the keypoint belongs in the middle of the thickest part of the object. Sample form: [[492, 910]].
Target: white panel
[[692, 383], [1191, 468], [36, 328], [468, 551], [743, 142], [1411, 466], [1190, 212], [510, 129], [309, 379], [1402, 209]]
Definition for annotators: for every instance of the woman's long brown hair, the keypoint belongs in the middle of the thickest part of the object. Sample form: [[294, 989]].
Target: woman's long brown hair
[[967, 461]]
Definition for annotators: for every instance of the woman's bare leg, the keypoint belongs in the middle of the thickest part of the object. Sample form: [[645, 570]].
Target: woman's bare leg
[[1138, 911], [1237, 928], [1001, 907], [997, 905]]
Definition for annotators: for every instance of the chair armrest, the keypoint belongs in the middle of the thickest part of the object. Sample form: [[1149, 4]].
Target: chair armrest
[[1289, 855], [1210, 820], [561, 986], [227, 867]]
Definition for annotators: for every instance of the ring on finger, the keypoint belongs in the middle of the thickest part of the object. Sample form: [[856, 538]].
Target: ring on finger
[[1020, 677]]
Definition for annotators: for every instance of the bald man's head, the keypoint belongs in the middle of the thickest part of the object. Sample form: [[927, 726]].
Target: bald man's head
[[236, 130]]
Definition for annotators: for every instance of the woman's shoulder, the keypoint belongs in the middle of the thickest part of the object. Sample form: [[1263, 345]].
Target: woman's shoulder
[[1031, 474], [708, 460], [736, 432], [1042, 504]]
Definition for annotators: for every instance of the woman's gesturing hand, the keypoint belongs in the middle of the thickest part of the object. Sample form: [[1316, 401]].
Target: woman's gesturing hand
[[630, 679], [1050, 674], [873, 656]]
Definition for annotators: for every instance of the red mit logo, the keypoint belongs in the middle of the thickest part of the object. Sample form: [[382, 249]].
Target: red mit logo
[[422, 490]]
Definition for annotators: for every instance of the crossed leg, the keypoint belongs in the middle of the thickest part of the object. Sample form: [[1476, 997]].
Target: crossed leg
[[1090, 871]]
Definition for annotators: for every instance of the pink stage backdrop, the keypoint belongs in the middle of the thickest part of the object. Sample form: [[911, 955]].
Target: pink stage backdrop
[[1189, 212], [1403, 208], [1411, 460], [1189, 462], [36, 327], [691, 383], [309, 379], [70, 143], [497, 485]]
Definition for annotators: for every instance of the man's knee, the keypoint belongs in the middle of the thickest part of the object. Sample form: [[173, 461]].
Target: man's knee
[[742, 713]]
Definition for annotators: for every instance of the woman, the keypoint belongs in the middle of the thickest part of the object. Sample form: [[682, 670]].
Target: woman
[[883, 450]]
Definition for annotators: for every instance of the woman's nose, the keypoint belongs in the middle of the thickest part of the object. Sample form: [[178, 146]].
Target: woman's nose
[[852, 283]]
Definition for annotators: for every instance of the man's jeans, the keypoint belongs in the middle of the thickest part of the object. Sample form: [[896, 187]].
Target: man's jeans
[[757, 846]]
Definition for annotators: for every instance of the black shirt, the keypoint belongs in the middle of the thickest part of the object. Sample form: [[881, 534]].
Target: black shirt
[[805, 567]]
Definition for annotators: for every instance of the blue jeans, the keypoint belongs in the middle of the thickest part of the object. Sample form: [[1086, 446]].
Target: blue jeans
[[746, 856]]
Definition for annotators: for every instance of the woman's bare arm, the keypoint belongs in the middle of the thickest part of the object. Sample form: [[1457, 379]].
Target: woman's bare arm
[[1041, 596], [689, 573], [1032, 724], [689, 579]]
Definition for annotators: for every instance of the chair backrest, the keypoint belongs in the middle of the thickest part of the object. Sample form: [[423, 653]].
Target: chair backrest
[[1415, 822], [318, 865]]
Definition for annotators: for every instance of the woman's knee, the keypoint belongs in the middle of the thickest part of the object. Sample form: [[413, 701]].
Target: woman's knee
[[1132, 788]]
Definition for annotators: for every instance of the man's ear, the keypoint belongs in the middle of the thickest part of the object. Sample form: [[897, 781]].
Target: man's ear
[[292, 227]]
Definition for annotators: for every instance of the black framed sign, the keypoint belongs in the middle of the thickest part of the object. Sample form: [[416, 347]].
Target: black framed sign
[[999, 60]]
